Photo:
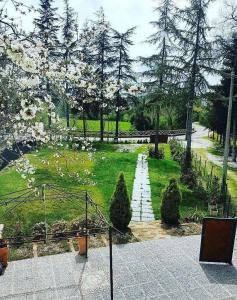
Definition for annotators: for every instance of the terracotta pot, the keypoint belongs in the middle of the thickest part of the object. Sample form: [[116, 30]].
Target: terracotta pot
[[81, 240], [4, 255]]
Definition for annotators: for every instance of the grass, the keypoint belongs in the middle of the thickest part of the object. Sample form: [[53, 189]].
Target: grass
[[104, 170], [160, 172], [217, 171], [94, 125]]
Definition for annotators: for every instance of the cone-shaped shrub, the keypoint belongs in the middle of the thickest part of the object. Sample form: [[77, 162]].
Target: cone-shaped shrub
[[170, 203], [120, 210]]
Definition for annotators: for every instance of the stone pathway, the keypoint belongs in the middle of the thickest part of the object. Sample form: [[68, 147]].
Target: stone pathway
[[159, 269], [141, 197]]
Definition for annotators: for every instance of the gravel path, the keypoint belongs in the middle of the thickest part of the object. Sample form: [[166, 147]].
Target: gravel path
[[141, 197]]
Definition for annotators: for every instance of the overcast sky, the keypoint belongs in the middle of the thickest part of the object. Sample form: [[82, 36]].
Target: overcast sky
[[123, 14]]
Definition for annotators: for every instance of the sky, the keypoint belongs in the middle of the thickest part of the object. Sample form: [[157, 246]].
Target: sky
[[124, 14]]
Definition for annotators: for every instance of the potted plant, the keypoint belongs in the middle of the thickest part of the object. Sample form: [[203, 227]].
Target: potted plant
[[82, 242], [3, 252]]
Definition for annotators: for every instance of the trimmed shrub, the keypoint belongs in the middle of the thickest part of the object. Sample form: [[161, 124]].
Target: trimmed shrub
[[59, 229], [120, 209], [170, 203]]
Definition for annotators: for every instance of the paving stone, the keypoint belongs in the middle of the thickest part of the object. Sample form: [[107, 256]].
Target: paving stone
[[141, 196], [134, 292], [199, 294], [158, 269]]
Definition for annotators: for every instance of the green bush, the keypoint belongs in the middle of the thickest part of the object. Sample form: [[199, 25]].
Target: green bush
[[170, 203], [120, 210]]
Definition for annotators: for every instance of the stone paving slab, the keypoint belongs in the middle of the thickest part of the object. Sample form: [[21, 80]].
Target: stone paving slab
[[141, 197], [158, 269]]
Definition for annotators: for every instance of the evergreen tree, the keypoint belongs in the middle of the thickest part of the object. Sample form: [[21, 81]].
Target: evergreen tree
[[161, 66], [120, 210], [229, 50], [103, 59], [170, 203], [47, 25], [123, 68], [196, 57], [69, 44]]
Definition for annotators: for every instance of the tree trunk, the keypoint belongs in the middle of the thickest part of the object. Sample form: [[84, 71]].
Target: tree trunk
[[67, 115], [84, 123], [157, 130], [117, 127], [234, 141], [101, 125], [192, 94]]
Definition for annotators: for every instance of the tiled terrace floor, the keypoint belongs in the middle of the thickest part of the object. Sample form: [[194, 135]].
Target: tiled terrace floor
[[159, 269]]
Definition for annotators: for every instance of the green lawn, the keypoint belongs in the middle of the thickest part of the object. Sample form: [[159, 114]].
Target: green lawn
[[160, 171], [105, 168], [94, 125]]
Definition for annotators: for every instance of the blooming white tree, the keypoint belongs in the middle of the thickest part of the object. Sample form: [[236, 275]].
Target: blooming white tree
[[25, 73]]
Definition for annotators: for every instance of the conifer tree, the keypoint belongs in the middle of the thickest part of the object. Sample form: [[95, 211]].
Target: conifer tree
[[170, 204], [69, 44], [160, 67], [196, 58], [47, 29], [123, 68], [120, 210], [229, 50], [103, 59]]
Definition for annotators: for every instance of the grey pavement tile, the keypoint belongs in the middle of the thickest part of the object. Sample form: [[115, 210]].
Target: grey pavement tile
[[143, 277], [159, 297], [96, 296], [187, 283], [200, 294], [180, 296], [152, 289], [134, 292], [46, 295], [231, 288], [117, 295], [217, 291]]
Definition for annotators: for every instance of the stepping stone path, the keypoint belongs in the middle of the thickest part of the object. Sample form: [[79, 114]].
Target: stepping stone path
[[141, 197]]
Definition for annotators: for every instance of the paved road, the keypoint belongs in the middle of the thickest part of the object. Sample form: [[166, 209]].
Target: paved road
[[158, 269]]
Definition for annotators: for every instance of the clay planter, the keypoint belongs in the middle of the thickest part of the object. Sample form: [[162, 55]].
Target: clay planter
[[81, 241], [3, 253]]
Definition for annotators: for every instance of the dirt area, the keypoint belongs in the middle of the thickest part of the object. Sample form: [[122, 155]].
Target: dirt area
[[144, 231], [138, 232]]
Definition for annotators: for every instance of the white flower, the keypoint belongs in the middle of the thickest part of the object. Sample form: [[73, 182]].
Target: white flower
[[28, 113]]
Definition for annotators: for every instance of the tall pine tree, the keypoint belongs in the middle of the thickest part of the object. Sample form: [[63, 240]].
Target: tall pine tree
[[160, 67], [69, 44], [123, 68], [103, 59], [47, 29], [196, 58]]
